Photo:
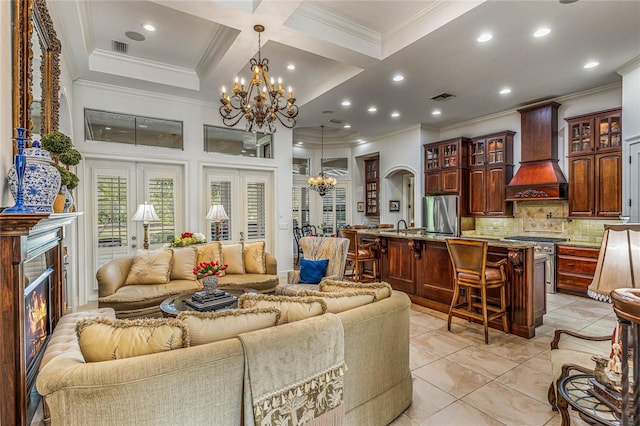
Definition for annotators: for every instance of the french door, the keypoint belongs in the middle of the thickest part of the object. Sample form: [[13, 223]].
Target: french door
[[247, 199], [115, 191]]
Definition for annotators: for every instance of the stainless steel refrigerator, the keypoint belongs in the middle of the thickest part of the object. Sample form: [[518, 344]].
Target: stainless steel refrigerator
[[440, 214]]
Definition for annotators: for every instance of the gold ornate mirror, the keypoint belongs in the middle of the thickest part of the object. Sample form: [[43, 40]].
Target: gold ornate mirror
[[36, 68]]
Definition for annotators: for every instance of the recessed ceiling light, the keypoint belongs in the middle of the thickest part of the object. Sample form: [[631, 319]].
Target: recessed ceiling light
[[436, 112], [300, 143], [372, 109], [484, 37], [142, 126], [363, 141], [505, 91], [107, 128], [291, 67], [395, 114], [591, 64], [398, 77], [346, 103], [243, 150], [149, 27], [541, 32], [347, 126]]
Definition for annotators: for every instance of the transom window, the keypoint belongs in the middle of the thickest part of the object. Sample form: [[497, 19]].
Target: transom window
[[237, 142]]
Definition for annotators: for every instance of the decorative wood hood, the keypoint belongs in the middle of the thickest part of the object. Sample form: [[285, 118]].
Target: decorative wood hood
[[539, 176]]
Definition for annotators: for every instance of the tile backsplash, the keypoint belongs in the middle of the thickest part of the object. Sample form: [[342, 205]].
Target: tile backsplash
[[544, 219]]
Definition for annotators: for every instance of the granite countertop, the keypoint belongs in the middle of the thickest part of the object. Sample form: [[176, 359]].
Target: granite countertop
[[419, 234], [580, 244]]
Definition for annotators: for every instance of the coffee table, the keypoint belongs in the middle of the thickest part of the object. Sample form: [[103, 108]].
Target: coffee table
[[575, 390], [173, 305]]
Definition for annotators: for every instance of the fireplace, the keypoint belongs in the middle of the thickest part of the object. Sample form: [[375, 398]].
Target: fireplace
[[38, 322]]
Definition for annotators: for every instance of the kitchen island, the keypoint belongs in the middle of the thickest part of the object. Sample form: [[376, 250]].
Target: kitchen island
[[419, 265]]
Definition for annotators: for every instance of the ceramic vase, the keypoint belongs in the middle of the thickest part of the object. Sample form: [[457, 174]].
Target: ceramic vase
[[210, 284], [19, 166], [41, 180]]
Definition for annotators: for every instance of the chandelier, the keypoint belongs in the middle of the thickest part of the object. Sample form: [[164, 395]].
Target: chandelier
[[322, 183], [262, 103]]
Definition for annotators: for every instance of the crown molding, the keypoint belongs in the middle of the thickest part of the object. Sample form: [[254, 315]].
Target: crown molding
[[132, 67], [630, 66], [218, 47], [339, 23]]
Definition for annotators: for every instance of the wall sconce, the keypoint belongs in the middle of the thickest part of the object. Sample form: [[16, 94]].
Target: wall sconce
[[145, 213], [618, 263], [217, 215]]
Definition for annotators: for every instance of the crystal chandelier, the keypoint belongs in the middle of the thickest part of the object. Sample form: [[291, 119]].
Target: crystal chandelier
[[262, 103], [322, 183]]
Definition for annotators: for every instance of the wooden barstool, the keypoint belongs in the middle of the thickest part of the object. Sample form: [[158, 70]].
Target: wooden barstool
[[473, 271], [359, 254]]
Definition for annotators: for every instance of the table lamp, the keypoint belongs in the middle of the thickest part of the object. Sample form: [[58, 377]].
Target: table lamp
[[145, 213], [217, 215]]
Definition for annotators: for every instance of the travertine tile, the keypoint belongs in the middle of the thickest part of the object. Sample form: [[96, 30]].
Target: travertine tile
[[419, 356], [427, 400], [458, 414], [403, 420], [518, 351], [440, 343], [481, 361], [509, 406], [540, 363], [528, 381], [451, 377]]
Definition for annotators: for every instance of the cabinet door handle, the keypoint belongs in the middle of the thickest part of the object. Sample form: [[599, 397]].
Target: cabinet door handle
[[571, 264]]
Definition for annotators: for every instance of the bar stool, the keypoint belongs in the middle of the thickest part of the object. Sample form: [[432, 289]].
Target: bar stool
[[473, 271], [359, 254]]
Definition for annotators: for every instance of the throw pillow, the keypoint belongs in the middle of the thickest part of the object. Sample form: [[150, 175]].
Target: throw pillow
[[210, 252], [382, 289], [312, 271], [207, 327], [150, 267], [104, 339], [254, 258], [184, 260], [339, 302], [232, 256], [291, 308]]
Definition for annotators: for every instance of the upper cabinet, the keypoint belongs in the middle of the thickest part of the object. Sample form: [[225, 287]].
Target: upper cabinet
[[443, 164], [595, 164], [372, 186], [490, 170]]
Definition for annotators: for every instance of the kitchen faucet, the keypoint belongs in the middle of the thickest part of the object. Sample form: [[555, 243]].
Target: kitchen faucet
[[401, 221]]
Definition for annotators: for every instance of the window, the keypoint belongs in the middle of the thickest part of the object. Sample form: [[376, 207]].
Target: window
[[334, 210], [237, 142], [335, 166], [130, 129], [112, 211], [161, 196], [221, 194], [256, 226], [300, 166], [300, 203]]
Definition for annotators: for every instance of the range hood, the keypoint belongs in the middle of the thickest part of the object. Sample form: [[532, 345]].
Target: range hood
[[539, 176]]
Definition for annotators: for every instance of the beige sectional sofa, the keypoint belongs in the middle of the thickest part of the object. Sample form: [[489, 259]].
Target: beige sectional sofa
[[142, 298], [206, 384]]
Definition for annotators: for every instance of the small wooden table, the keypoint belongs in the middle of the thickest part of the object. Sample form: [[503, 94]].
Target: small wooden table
[[575, 390], [173, 305]]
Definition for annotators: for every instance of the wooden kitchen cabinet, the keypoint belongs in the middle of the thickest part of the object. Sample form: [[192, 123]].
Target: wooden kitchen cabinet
[[372, 186], [595, 164], [490, 170], [445, 166], [575, 267]]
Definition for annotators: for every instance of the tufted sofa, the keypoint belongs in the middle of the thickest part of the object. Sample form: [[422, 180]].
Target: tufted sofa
[[203, 385], [143, 300]]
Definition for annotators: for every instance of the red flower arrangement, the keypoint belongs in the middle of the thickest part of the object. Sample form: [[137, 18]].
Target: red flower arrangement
[[206, 269]]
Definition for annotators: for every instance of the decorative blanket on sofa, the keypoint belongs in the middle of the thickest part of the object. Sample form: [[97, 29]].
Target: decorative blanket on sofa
[[294, 373]]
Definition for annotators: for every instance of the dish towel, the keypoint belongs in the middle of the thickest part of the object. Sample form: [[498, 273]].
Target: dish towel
[[294, 373]]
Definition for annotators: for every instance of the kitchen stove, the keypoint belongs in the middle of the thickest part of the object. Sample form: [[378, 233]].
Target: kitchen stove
[[547, 247]]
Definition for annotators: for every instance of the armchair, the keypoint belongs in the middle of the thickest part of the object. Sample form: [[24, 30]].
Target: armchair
[[573, 352], [316, 248]]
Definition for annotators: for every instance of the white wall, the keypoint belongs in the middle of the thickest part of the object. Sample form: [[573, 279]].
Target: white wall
[[193, 114], [6, 109]]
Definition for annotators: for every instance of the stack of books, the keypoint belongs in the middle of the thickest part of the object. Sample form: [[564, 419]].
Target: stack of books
[[203, 302]]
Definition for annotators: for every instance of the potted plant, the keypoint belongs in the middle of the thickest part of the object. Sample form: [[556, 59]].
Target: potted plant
[[56, 143], [62, 150]]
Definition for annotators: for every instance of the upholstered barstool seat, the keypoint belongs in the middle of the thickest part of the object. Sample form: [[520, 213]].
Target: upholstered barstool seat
[[358, 255], [472, 271]]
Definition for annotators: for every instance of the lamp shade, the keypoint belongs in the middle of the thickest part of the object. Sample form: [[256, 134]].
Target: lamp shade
[[217, 213], [618, 263], [145, 213]]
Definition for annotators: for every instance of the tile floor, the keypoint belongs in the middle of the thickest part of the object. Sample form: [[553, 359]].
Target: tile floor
[[460, 381]]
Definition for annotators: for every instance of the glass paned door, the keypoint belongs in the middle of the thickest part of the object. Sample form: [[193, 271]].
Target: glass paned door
[[334, 210]]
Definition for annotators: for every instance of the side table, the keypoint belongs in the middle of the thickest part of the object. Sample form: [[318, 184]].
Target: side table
[[575, 390]]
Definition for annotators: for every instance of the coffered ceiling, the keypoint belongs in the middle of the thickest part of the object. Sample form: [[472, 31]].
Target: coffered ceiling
[[351, 50]]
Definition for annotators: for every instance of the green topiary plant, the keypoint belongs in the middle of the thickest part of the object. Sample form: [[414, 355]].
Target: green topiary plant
[[65, 176], [73, 183], [56, 143], [70, 157]]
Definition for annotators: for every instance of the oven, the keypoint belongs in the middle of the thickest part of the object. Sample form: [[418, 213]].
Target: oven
[[547, 247]]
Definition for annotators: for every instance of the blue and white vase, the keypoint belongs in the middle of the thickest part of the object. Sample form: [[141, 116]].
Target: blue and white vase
[[41, 180], [68, 198]]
